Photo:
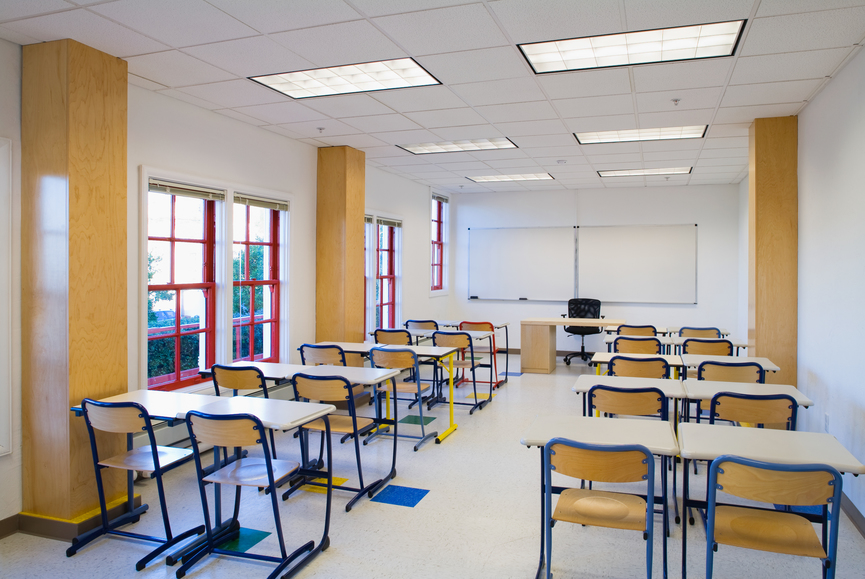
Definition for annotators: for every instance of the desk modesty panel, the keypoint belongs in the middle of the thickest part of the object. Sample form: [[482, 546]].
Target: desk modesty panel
[[538, 340]]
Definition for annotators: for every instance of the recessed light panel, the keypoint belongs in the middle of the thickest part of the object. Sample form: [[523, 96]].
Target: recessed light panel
[[661, 134], [457, 146], [499, 178], [644, 172], [661, 45], [367, 77]]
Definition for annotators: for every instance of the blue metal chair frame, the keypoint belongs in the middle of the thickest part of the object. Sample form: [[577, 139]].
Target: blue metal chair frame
[[685, 328], [396, 332], [226, 531], [321, 347], [830, 546], [712, 340], [794, 406], [549, 489], [262, 384], [370, 489], [439, 379], [133, 514], [611, 366]]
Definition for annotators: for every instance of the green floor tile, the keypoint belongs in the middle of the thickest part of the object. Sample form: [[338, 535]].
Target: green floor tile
[[413, 419], [245, 541]]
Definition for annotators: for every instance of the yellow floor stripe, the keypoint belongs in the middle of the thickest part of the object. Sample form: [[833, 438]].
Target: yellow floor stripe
[[322, 490]]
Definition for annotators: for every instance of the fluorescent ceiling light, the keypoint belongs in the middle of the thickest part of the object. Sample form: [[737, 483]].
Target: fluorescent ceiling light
[[367, 77], [643, 172], [661, 45], [498, 178], [455, 146], [661, 134]]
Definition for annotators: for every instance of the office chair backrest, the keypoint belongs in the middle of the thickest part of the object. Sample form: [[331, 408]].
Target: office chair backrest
[[691, 332], [330, 355], [395, 337], [238, 378], [629, 330], [584, 308], [628, 401], [600, 464], [639, 367], [637, 345], [749, 372], [755, 409], [421, 325], [707, 347]]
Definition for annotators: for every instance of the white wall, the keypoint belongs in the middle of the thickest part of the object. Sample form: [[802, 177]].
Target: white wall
[[831, 263], [714, 208], [743, 260], [10, 128]]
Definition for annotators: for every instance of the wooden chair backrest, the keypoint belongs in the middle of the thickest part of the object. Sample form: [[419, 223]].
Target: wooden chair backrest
[[324, 390], [734, 372], [394, 360], [322, 355], [649, 368], [708, 347], [240, 431], [754, 409], [394, 337], [599, 465], [626, 330], [637, 345], [477, 326], [421, 325], [776, 486], [123, 419], [237, 378], [647, 402], [354, 359], [446, 340], [699, 332]]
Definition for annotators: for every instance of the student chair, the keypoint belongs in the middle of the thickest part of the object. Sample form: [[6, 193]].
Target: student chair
[[692, 332], [237, 378], [754, 409], [421, 325], [582, 308], [732, 372], [768, 529], [465, 362], [630, 330], [599, 463], [331, 355], [393, 337], [237, 431], [130, 418], [401, 360], [639, 367], [637, 345], [330, 389], [485, 327]]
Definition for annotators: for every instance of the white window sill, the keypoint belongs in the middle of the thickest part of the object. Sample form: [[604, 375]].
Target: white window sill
[[438, 293]]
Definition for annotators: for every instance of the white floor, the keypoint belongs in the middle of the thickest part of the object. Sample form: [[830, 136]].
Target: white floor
[[480, 519]]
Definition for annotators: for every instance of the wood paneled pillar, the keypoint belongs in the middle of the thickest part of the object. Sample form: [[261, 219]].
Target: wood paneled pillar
[[339, 275], [74, 274], [773, 227]]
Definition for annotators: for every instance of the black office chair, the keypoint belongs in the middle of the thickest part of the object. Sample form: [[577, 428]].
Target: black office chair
[[582, 308]]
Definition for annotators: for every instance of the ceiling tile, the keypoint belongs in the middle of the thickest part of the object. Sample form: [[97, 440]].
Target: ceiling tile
[[558, 19], [407, 137], [175, 23], [682, 75], [561, 140], [281, 130], [726, 142], [13, 10], [356, 141], [524, 128], [278, 15], [498, 92], [17, 37], [144, 83], [700, 98], [235, 93], [173, 68], [87, 28], [770, 93], [281, 113], [476, 65], [667, 163], [444, 30], [666, 180], [610, 148], [748, 114], [643, 15], [611, 123], [560, 152], [722, 161], [381, 123], [447, 157], [729, 130], [789, 66], [672, 145], [510, 163], [464, 165], [499, 154], [191, 99], [386, 7], [585, 83], [680, 118], [241, 117], [811, 31], [250, 56], [339, 44], [690, 156], [350, 105], [389, 155], [331, 128], [718, 153], [595, 106], [632, 158], [419, 98], [534, 111], [778, 7], [467, 132], [446, 118]]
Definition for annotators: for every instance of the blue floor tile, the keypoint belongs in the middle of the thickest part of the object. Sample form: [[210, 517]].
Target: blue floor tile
[[402, 496]]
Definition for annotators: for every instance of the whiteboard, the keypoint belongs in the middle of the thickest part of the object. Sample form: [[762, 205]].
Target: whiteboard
[[532, 263], [638, 264]]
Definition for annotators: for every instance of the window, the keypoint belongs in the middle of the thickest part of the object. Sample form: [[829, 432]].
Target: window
[[437, 235], [180, 284], [382, 288], [255, 302]]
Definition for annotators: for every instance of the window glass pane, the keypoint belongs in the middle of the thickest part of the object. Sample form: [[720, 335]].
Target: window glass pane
[[259, 224], [266, 332], [385, 316], [158, 214], [434, 229], [188, 218], [160, 313], [193, 310], [260, 292], [258, 341], [160, 360], [239, 262], [437, 277], [378, 317], [386, 290], [191, 354], [239, 222], [240, 309], [256, 262], [240, 345], [158, 262], [189, 264]]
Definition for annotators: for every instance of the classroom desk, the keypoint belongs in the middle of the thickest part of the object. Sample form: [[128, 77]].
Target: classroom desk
[[666, 341], [497, 326], [538, 340], [709, 441], [655, 435], [704, 390], [675, 330], [671, 388], [679, 340], [600, 358], [660, 330], [694, 360]]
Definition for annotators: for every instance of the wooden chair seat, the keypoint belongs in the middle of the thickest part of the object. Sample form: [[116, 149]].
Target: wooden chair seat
[[776, 532], [465, 364], [339, 424], [601, 509], [409, 387], [142, 458], [251, 472]]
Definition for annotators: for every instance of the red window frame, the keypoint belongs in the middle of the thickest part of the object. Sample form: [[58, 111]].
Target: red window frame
[[386, 256], [437, 258], [180, 378], [270, 284]]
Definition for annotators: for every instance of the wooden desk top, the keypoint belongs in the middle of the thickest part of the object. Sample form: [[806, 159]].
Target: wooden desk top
[[604, 358], [679, 340], [670, 388], [665, 340], [589, 322], [656, 435], [694, 360], [705, 389]]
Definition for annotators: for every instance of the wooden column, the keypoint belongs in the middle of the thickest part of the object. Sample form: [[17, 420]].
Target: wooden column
[[74, 274], [773, 244], [339, 275]]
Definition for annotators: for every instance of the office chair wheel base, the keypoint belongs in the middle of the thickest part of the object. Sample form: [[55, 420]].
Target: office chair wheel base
[[567, 362]]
